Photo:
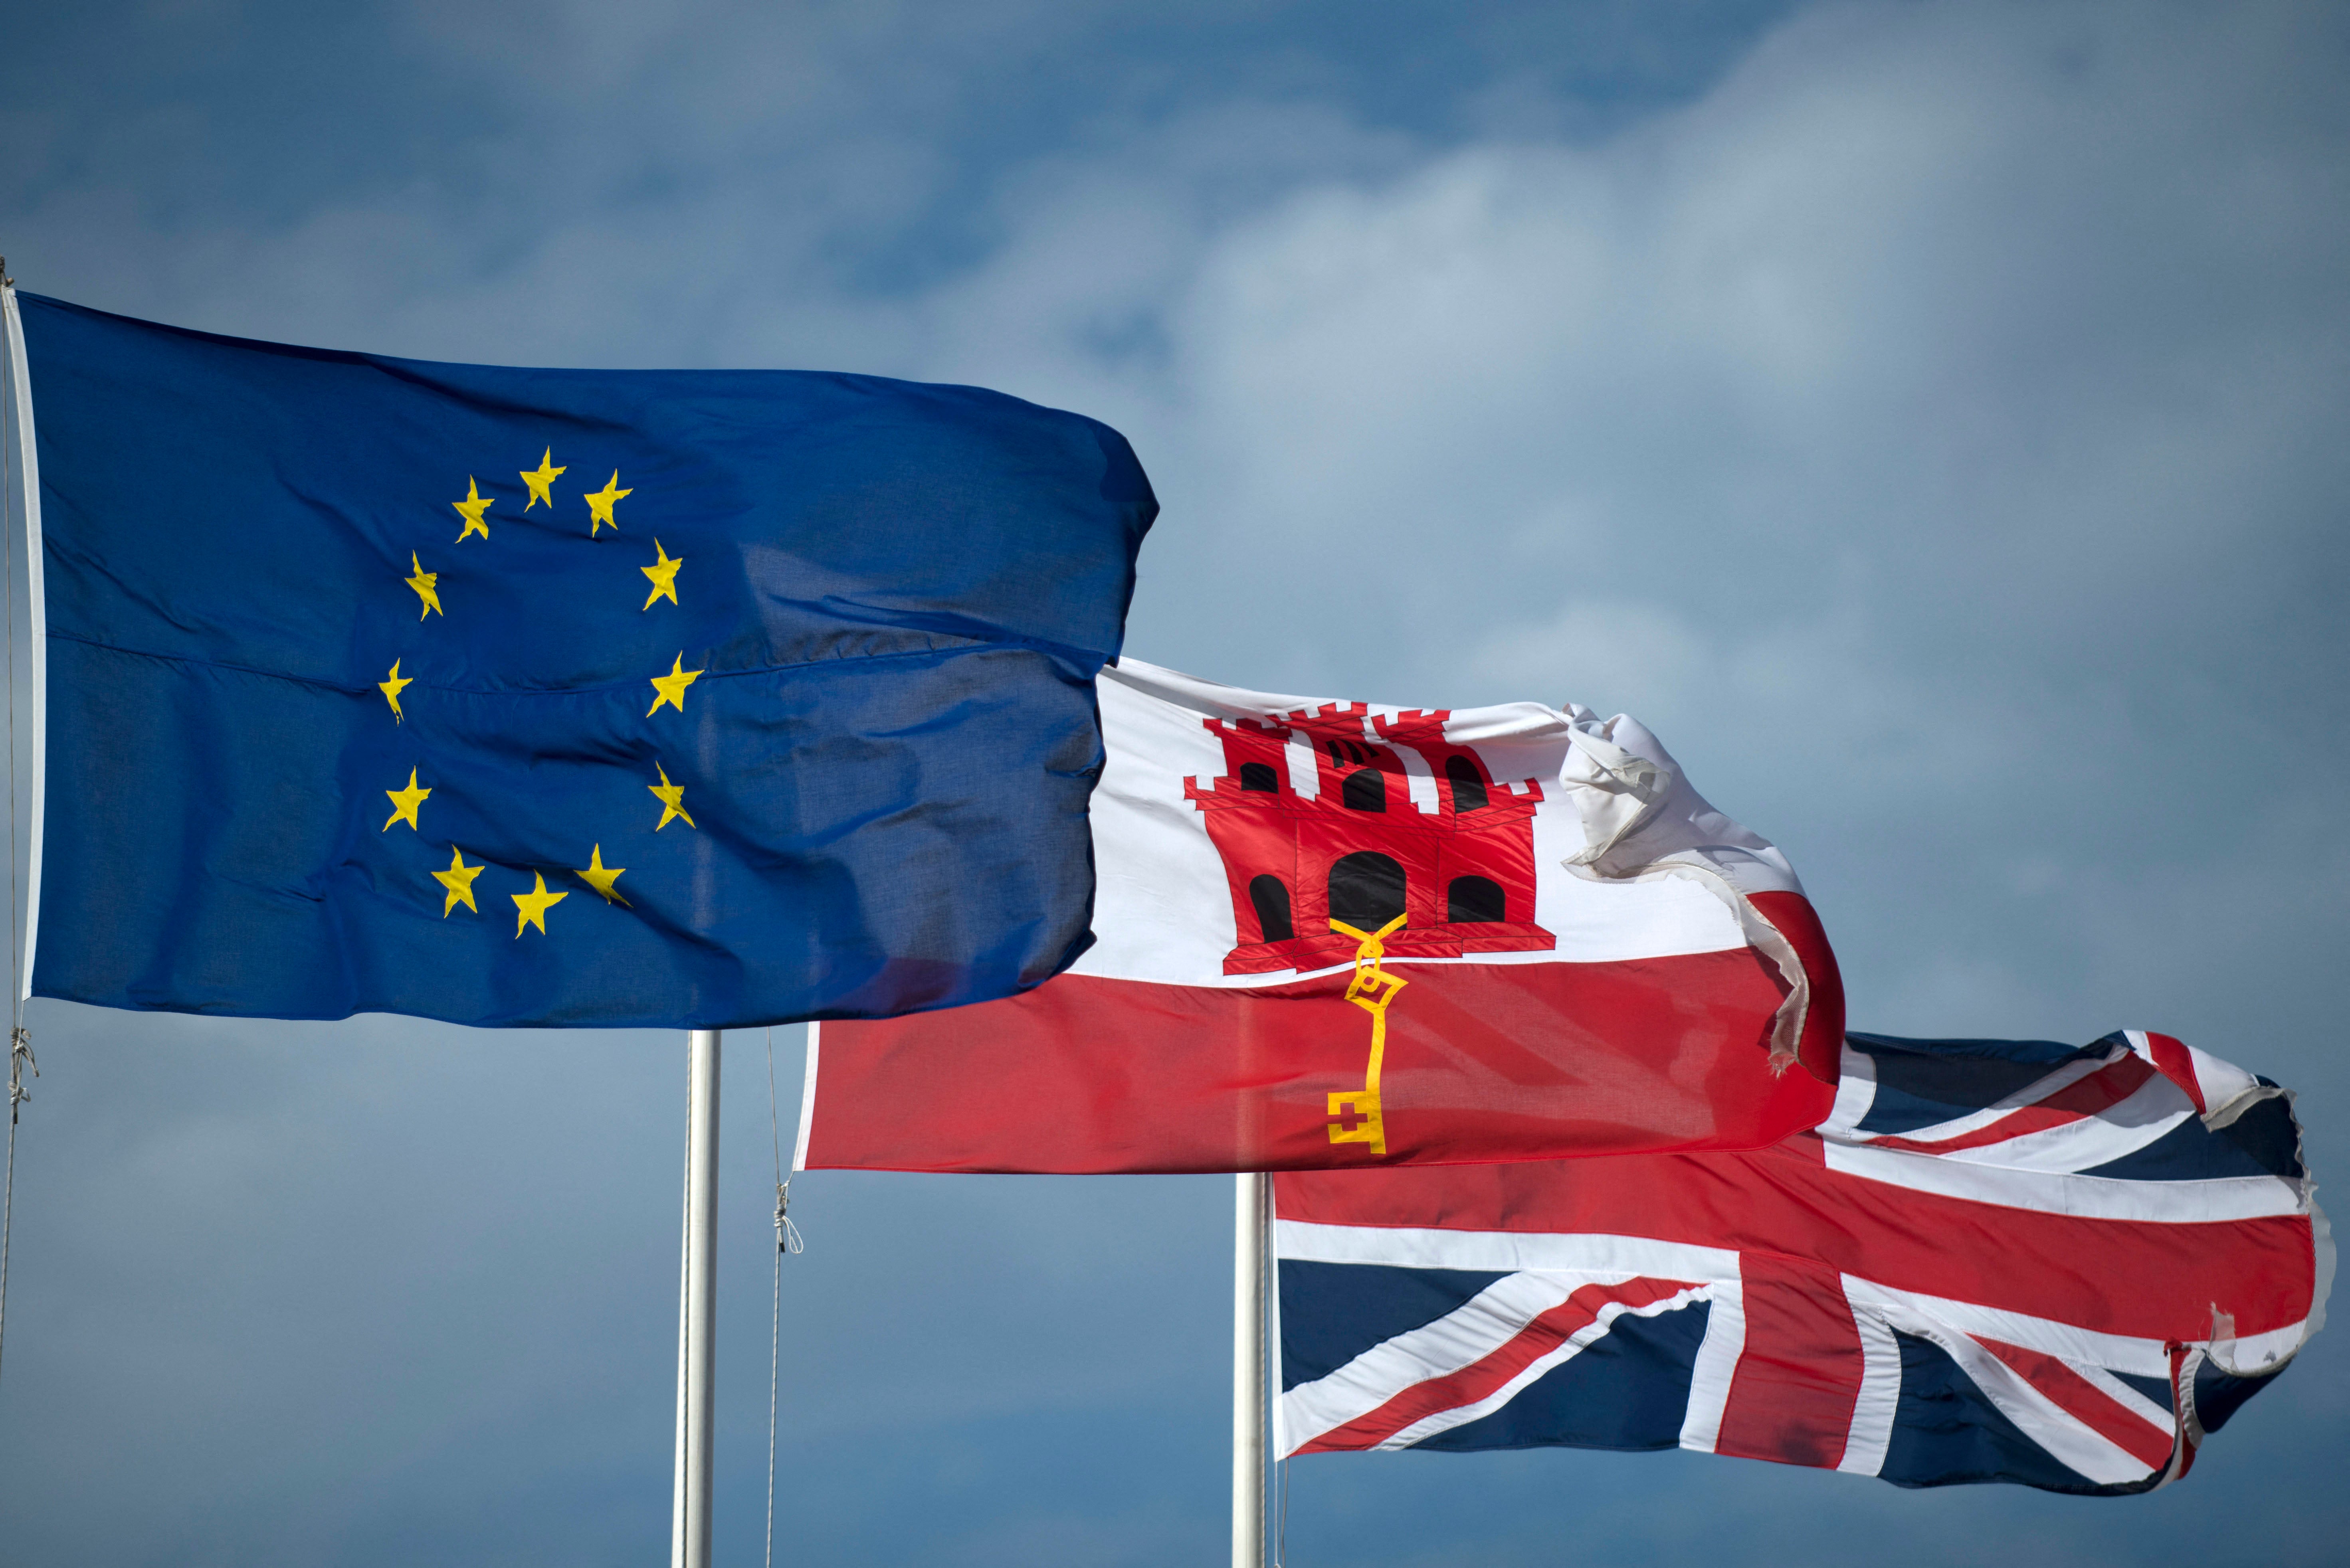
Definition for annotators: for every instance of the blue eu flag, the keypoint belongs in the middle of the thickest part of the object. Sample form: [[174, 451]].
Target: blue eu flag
[[561, 697]]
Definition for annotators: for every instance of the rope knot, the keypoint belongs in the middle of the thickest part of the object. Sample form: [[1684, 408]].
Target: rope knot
[[787, 1235], [20, 1056]]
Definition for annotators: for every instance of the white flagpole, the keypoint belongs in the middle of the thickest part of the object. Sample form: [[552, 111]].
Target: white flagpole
[[697, 1306], [1251, 1231], [36, 643]]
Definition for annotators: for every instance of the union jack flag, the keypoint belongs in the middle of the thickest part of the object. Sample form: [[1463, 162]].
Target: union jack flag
[[2010, 1261]]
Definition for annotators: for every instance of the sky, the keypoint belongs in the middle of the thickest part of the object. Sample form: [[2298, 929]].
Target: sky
[[1928, 419]]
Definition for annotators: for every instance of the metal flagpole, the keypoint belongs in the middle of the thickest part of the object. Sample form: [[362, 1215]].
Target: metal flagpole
[[684, 1274], [697, 1306], [1250, 1233]]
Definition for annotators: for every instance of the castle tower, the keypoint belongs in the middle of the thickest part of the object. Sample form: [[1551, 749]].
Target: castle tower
[[1329, 813]]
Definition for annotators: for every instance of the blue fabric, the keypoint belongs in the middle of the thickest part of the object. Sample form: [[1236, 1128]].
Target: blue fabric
[[2219, 1395], [1332, 1313], [1922, 1082], [2261, 1141], [1627, 1389], [1946, 1433], [898, 595]]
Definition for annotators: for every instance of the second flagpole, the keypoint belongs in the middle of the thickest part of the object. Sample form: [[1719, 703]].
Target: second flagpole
[[1251, 1229]]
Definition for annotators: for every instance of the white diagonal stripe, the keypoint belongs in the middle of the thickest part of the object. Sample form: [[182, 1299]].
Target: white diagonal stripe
[[2157, 1108], [2038, 1416], [2127, 1398], [1462, 1337], [1602, 1322], [2032, 1094]]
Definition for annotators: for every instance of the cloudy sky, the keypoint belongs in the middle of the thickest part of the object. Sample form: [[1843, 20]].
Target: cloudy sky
[[1929, 417]]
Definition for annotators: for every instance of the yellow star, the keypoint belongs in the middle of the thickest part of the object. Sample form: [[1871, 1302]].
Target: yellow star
[[601, 876], [663, 573], [672, 799], [426, 585], [540, 480], [471, 510], [404, 803], [599, 504], [670, 688], [391, 690], [459, 880], [530, 908]]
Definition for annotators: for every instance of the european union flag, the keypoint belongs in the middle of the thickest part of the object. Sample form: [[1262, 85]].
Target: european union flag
[[561, 697]]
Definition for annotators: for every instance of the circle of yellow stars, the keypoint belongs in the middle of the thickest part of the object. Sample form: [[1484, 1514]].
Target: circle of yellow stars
[[669, 691]]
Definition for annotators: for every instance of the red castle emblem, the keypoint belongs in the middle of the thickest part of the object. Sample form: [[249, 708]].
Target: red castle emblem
[[1455, 864]]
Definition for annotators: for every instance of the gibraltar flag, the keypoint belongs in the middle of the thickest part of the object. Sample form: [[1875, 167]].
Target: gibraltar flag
[[1338, 934]]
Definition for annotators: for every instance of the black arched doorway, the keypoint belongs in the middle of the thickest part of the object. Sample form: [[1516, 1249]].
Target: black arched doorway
[[1271, 901], [1474, 898], [1365, 890]]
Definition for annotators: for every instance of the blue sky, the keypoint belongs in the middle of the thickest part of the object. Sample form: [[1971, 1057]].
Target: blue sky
[[1928, 416]]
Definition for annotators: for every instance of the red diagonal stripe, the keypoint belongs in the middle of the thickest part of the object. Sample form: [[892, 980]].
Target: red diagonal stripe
[[2086, 1403], [1480, 1378], [2106, 1087]]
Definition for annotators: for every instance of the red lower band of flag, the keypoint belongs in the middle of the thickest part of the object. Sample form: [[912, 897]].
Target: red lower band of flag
[[1481, 1061]]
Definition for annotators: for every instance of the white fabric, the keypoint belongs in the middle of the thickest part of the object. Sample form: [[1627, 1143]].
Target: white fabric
[[2062, 1192], [1655, 870], [1880, 1400], [1716, 1367], [1549, 1251]]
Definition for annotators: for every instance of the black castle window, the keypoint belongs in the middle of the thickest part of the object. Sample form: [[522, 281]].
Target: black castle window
[[1473, 900], [1367, 889], [1468, 789], [1259, 776], [1366, 790], [1271, 901]]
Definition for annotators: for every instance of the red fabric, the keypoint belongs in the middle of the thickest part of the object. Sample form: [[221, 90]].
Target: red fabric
[[1792, 1398], [1545, 1334], [2145, 1279], [1820, 1048], [2175, 1062], [1484, 1061]]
